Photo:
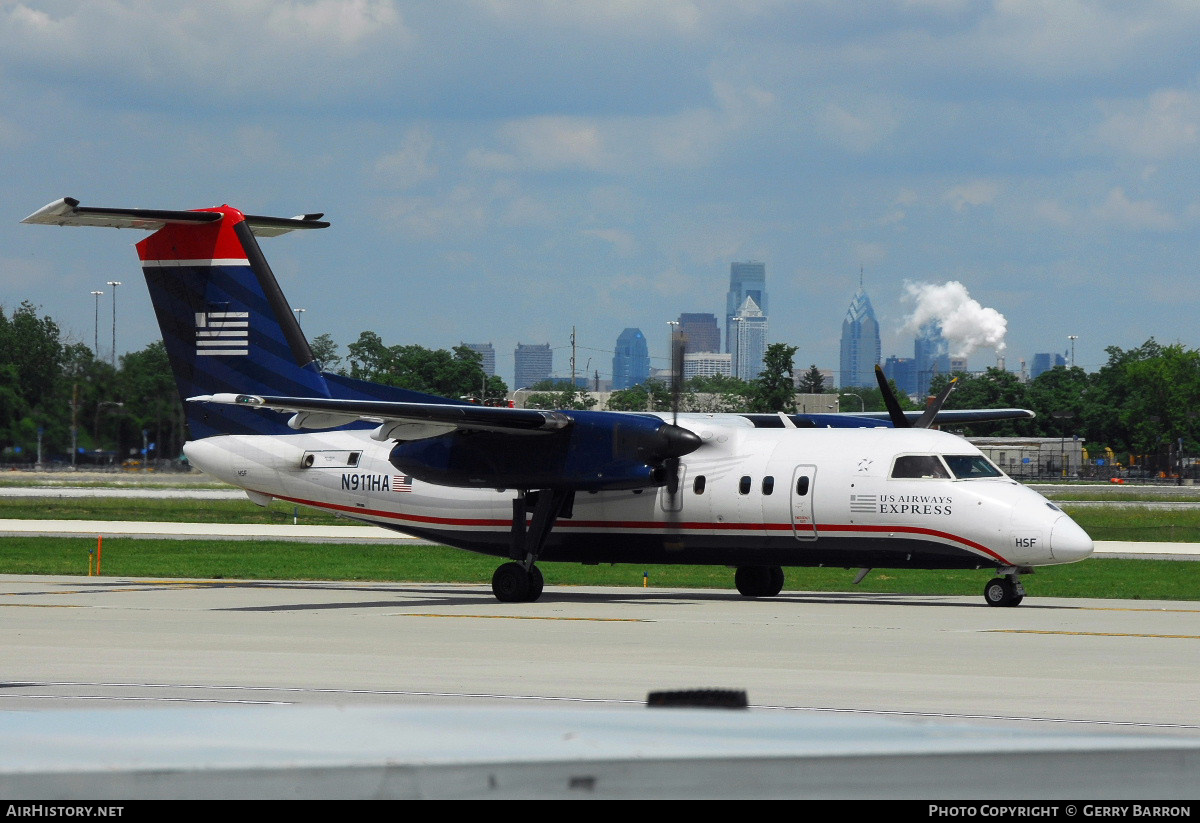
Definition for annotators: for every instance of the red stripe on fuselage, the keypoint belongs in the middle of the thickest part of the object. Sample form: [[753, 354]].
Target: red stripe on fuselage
[[653, 525]]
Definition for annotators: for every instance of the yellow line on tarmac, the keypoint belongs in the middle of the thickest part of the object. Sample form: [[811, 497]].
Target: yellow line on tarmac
[[529, 617], [41, 606], [1094, 634]]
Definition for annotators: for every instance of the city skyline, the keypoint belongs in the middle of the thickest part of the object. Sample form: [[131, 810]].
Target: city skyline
[[510, 170]]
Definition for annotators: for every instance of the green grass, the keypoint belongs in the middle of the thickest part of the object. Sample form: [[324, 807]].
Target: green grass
[[164, 510], [280, 560], [277, 560]]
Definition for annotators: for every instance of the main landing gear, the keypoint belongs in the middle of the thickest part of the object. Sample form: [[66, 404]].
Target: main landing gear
[[513, 583], [520, 581], [1004, 591], [758, 581]]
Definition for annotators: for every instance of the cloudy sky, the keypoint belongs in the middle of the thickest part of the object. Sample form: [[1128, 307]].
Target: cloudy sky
[[504, 171]]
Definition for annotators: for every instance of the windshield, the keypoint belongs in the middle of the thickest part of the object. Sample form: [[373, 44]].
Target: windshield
[[971, 466], [919, 465]]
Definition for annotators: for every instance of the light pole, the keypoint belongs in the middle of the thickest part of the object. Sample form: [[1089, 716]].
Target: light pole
[[298, 313], [862, 405], [1072, 338], [113, 284], [96, 327]]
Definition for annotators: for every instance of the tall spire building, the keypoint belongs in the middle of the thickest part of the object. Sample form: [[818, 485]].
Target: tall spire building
[[749, 340], [861, 347]]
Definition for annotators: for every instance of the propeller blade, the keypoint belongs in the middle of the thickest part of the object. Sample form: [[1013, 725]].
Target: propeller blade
[[899, 421], [678, 347], [931, 411]]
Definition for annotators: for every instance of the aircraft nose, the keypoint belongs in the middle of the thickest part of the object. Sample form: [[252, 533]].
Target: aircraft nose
[[1068, 542]]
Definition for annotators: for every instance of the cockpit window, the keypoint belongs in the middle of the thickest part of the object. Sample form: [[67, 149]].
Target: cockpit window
[[971, 466], [919, 465]]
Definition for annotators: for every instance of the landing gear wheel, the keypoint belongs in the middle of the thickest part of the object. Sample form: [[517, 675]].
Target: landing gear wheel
[[776, 574], [511, 583], [536, 581], [1002, 591], [758, 581]]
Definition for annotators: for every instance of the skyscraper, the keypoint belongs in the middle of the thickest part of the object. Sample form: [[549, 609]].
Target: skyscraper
[[1044, 362], [932, 353], [701, 332], [631, 360], [487, 355], [749, 340], [745, 280], [532, 364], [861, 346]]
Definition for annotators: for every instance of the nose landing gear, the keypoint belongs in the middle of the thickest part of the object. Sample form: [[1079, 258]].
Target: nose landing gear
[[1004, 591]]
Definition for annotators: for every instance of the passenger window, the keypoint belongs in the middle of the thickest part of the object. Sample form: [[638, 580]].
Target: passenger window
[[744, 485], [919, 465], [698, 484], [768, 484], [802, 485]]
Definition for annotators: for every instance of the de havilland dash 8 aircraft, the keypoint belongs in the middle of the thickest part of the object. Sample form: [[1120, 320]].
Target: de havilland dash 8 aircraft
[[753, 492]]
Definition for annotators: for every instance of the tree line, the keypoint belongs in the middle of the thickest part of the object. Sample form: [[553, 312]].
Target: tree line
[[1143, 401]]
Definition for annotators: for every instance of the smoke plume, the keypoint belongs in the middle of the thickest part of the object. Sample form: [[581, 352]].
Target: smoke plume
[[965, 324]]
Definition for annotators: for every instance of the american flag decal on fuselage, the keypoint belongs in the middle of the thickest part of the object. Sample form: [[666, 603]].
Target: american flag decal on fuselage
[[864, 502], [223, 333]]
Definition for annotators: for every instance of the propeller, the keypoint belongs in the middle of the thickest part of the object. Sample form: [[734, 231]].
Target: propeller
[[671, 464], [927, 417]]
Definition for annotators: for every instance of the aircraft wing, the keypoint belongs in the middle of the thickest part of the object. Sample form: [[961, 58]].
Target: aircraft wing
[[402, 421], [850, 420]]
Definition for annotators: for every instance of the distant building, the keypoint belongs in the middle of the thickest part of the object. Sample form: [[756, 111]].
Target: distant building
[[745, 280], [749, 345], [903, 372], [631, 360], [487, 354], [1044, 362], [861, 348], [932, 353], [707, 364], [532, 363], [701, 332]]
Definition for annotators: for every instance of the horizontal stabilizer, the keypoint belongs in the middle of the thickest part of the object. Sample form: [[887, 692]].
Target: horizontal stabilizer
[[68, 212]]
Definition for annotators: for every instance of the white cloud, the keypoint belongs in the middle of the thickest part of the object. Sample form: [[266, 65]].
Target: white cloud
[[410, 164], [1119, 209], [1165, 124], [975, 193]]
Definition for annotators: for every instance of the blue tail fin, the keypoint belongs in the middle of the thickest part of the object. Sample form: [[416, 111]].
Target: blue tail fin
[[225, 323]]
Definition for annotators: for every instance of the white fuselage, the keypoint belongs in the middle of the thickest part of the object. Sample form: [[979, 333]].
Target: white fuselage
[[788, 497]]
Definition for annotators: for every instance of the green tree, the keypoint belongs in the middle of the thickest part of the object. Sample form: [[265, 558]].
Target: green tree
[[774, 390], [152, 409], [811, 382], [994, 389], [326, 352], [453, 374]]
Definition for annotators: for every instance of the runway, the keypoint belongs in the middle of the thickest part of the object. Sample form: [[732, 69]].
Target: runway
[[117, 642], [122, 671]]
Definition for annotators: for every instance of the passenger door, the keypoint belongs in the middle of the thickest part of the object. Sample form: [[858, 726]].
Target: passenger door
[[804, 522]]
